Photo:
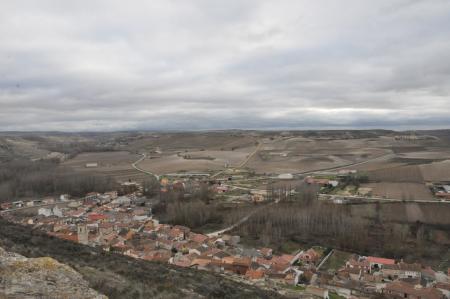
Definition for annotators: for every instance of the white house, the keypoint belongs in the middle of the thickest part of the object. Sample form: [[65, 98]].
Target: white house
[[333, 183], [57, 211], [286, 176], [45, 212], [64, 197]]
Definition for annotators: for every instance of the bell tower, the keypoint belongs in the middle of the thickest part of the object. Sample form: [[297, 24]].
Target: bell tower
[[83, 234]]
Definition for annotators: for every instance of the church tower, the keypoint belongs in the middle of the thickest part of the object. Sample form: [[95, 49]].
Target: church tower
[[83, 234]]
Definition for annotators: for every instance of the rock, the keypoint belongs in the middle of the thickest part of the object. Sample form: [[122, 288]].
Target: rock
[[44, 277]]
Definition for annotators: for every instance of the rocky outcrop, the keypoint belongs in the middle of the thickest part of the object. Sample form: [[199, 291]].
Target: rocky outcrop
[[44, 277]]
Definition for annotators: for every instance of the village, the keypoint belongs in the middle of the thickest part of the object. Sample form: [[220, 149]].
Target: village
[[122, 222]]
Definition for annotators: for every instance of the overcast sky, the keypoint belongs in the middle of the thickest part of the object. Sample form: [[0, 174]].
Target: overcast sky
[[121, 65]]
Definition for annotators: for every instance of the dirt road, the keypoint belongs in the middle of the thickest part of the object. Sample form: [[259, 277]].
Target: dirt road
[[134, 165]]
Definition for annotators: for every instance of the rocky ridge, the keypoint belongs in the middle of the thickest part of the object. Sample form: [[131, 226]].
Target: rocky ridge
[[43, 277]]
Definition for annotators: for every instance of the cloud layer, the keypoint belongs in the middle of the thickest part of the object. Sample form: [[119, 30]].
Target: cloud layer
[[115, 65]]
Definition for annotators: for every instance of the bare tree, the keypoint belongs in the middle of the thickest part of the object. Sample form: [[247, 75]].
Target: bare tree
[[151, 186]]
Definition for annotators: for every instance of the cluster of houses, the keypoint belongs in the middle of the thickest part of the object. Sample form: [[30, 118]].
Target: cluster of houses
[[321, 181], [179, 246], [126, 188], [96, 220], [440, 190], [32, 203], [188, 185], [367, 276], [125, 225]]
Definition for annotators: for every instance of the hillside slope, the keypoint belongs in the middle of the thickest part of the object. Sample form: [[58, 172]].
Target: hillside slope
[[118, 276]]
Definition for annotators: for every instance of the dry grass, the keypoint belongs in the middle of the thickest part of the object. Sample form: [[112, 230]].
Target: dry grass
[[196, 161], [377, 165], [428, 213], [435, 172], [174, 163], [286, 166], [210, 152], [113, 164], [409, 173], [408, 191], [230, 157], [308, 154], [427, 155], [25, 148], [194, 141], [104, 159]]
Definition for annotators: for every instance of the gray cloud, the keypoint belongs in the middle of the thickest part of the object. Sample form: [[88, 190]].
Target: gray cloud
[[111, 65]]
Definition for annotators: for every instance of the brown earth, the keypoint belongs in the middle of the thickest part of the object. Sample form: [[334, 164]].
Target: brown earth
[[407, 191], [410, 173], [439, 171], [113, 164]]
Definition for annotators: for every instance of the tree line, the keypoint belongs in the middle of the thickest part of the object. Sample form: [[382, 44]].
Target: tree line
[[196, 210], [25, 178]]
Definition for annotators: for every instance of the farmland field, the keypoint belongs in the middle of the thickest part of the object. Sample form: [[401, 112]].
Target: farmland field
[[427, 154], [294, 163], [195, 161], [432, 213], [174, 163], [384, 158], [439, 171], [233, 158], [173, 142], [114, 164], [295, 154], [377, 165], [305, 154], [407, 191], [410, 173]]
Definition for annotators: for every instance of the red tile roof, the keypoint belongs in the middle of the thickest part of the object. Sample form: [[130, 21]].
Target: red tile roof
[[96, 217], [68, 237], [198, 238], [443, 286], [401, 288], [380, 260], [266, 251], [287, 257], [255, 274], [157, 256], [201, 262], [263, 261]]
